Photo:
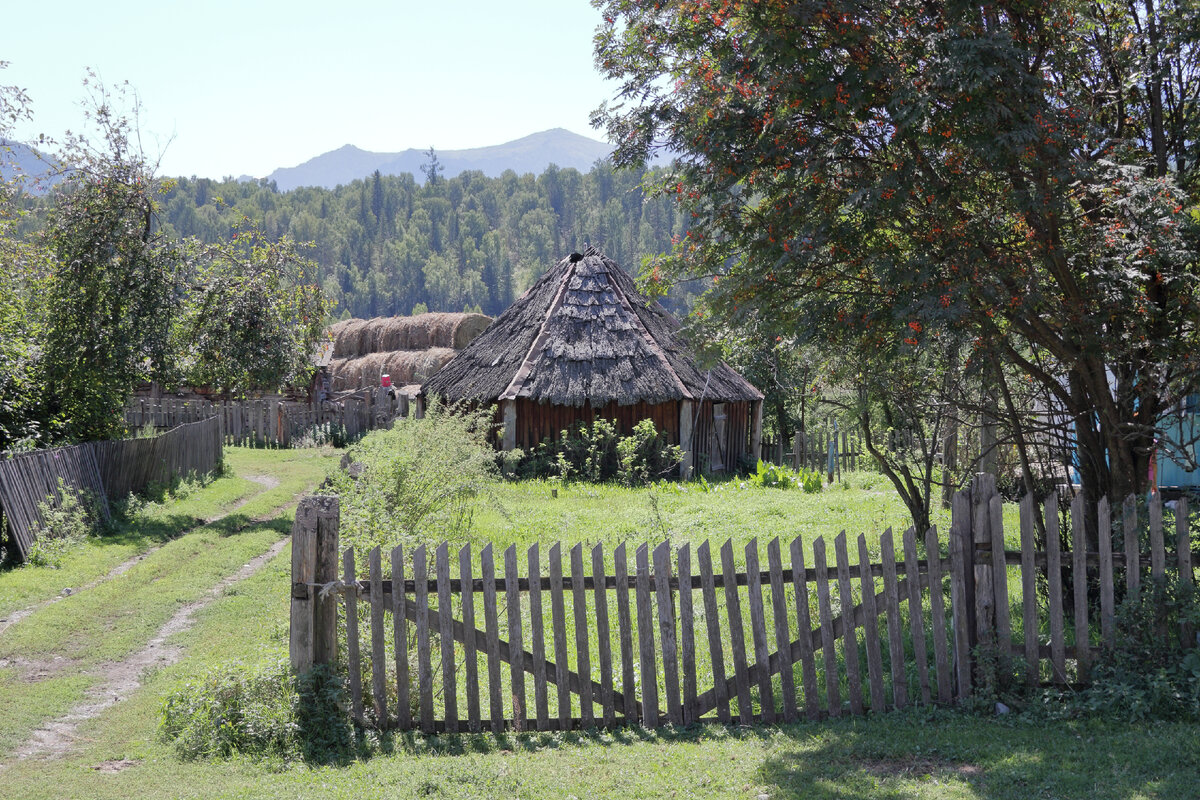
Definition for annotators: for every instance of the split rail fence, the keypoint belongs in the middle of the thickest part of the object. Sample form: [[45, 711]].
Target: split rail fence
[[104, 470], [664, 634]]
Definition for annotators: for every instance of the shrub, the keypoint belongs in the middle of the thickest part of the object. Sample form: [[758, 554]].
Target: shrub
[[596, 453], [419, 480], [645, 456], [67, 524], [259, 711]]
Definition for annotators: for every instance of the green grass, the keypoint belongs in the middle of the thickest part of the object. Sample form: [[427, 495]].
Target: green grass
[[920, 754]]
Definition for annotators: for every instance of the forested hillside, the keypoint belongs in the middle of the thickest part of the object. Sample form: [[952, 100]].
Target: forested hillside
[[388, 243]]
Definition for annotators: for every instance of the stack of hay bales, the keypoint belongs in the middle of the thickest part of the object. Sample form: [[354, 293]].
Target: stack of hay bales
[[409, 349]]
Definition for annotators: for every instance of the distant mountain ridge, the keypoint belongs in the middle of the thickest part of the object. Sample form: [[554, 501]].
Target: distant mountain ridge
[[31, 170], [531, 153]]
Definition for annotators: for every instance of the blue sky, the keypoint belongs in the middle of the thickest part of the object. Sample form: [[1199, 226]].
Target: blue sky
[[231, 88]]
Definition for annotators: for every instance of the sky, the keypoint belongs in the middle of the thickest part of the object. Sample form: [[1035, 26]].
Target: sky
[[241, 87]]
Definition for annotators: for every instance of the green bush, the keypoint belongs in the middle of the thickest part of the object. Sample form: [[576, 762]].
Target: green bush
[[1150, 673], [67, 524], [258, 711], [419, 481], [773, 476], [597, 453]]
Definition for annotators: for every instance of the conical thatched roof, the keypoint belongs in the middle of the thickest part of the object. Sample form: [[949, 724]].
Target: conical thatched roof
[[583, 335]]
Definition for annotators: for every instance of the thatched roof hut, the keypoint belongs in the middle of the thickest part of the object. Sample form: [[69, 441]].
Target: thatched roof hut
[[583, 343]]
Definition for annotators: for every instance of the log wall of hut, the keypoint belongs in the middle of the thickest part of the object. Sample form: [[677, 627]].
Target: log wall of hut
[[538, 421]]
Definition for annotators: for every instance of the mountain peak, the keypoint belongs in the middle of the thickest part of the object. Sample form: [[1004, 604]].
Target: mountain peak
[[532, 153]]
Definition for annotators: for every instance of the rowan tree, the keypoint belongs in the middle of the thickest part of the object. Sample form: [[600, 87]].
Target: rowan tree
[[881, 172]]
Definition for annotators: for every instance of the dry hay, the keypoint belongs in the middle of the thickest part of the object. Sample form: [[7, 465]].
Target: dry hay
[[358, 337], [404, 367]]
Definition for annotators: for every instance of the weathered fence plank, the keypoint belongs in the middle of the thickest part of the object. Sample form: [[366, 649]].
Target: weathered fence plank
[[352, 651], [833, 697], [378, 654], [424, 665], [625, 633], [871, 630], [603, 636], [937, 614], [1108, 627], [1079, 583], [808, 667], [516, 661], [779, 611], [849, 636], [470, 648], [583, 662], [916, 616], [1029, 593], [646, 641], [1054, 589], [537, 639], [446, 634], [713, 624], [737, 635]]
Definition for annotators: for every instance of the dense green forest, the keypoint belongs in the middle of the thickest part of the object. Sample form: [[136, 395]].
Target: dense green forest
[[387, 244]]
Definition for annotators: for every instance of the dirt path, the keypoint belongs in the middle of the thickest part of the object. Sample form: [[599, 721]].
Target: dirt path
[[121, 679], [266, 481]]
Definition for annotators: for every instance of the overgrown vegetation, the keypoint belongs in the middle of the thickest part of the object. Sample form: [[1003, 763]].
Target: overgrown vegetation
[[774, 476], [419, 481], [261, 711], [596, 453], [68, 520]]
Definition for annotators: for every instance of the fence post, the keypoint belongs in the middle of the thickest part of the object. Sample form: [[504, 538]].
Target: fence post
[[983, 486], [962, 590], [313, 637]]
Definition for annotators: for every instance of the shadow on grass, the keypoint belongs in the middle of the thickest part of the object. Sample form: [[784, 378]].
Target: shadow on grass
[[895, 755]]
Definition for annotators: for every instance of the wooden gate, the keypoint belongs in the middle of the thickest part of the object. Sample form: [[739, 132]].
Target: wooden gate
[[645, 635]]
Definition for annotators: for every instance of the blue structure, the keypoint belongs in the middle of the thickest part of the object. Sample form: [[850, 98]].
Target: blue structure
[[1181, 429]]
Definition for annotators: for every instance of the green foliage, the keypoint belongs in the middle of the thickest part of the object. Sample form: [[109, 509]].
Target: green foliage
[[253, 318], [646, 456], [1148, 674], [69, 520], [419, 481], [260, 711], [876, 175], [596, 453], [773, 476]]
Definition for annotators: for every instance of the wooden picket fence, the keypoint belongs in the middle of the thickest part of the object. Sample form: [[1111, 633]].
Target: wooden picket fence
[[104, 470], [812, 451], [678, 651], [272, 421]]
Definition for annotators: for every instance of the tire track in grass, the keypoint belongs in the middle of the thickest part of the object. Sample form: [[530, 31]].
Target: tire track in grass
[[120, 680], [266, 481]]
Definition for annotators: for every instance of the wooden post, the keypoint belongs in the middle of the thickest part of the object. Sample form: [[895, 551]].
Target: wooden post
[[314, 562], [756, 408], [685, 438], [509, 409], [962, 590]]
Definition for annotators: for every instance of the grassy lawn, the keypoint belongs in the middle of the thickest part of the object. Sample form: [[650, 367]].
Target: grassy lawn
[[920, 754]]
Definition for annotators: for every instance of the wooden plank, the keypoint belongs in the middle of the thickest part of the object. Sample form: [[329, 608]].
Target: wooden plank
[[1058, 656], [1158, 552], [916, 613], [959, 594], [304, 567], [558, 620], [758, 630], [999, 575], [646, 641], [667, 633], [424, 665], [937, 614], [446, 635], [537, 638], [871, 630], [492, 634], [895, 628], [582, 630], [1133, 579], [779, 613], [516, 648], [400, 641], [625, 633], [1029, 620], [378, 654], [1108, 626], [1183, 557], [603, 636], [1079, 581], [354, 669], [737, 636], [833, 697], [849, 633], [712, 622], [470, 648]]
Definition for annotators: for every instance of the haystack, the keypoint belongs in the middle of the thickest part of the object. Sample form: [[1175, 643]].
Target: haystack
[[404, 366], [359, 337]]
